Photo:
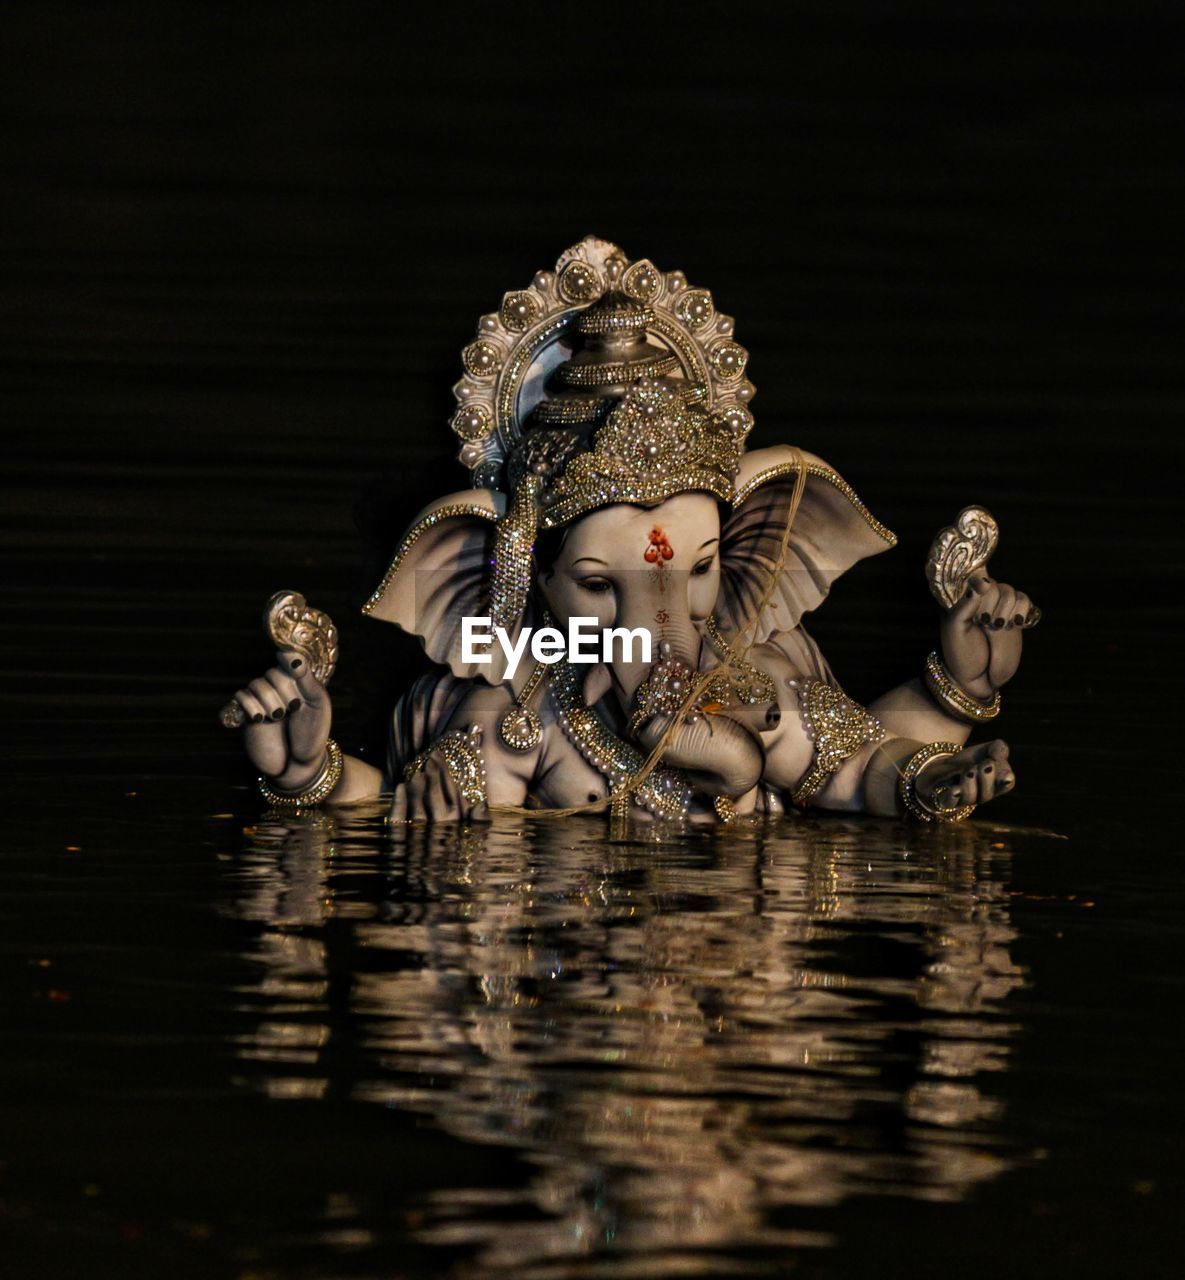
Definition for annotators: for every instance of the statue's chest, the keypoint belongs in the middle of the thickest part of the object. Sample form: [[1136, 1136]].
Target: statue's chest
[[565, 779]]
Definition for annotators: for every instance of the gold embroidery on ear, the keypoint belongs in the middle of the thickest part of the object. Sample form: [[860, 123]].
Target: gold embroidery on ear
[[448, 512]]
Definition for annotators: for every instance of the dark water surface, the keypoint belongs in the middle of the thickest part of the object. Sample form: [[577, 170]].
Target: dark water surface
[[241, 248], [246, 1047]]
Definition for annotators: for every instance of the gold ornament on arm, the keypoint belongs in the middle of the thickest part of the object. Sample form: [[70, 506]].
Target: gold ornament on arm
[[955, 700], [316, 792], [838, 727], [907, 785]]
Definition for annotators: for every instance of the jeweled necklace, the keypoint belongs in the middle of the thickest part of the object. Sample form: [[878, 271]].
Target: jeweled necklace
[[666, 793], [520, 728], [752, 684]]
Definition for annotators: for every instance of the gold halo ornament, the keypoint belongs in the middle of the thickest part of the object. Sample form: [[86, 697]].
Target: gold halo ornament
[[522, 351]]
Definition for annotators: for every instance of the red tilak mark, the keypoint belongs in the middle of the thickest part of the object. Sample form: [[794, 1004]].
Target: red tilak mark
[[659, 548]]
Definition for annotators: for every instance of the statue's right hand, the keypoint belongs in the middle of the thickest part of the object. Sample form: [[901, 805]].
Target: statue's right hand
[[974, 776], [288, 719]]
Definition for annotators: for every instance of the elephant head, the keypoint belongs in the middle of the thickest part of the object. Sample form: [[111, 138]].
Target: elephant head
[[654, 522]]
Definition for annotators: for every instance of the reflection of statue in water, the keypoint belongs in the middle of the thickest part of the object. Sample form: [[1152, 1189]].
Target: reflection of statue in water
[[809, 1016]]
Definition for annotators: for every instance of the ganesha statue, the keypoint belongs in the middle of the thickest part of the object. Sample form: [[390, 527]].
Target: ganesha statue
[[615, 605]]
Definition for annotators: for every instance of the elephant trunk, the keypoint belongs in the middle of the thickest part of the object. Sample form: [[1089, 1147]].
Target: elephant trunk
[[719, 755], [677, 638]]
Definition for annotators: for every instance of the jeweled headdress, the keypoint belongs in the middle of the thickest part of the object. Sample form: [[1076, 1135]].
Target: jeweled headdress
[[657, 442], [607, 381], [604, 382], [549, 367]]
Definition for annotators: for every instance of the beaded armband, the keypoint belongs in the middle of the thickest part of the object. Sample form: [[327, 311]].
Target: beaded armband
[[314, 794], [838, 727], [952, 699], [461, 752]]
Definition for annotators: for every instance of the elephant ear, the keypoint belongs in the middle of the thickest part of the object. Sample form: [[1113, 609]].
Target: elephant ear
[[832, 529], [441, 574]]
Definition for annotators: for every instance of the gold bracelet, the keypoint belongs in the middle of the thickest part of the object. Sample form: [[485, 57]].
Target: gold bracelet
[[907, 785], [954, 700], [461, 752], [314, 794]]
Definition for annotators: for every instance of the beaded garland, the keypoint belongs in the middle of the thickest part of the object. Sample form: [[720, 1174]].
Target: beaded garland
[[461, 752]]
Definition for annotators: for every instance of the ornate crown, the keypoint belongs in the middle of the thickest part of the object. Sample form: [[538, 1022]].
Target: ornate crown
[[656, 443], [549, 366], [605, 381]]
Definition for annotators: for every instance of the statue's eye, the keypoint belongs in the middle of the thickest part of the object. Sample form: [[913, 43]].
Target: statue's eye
[[596, 585], [704, 566]]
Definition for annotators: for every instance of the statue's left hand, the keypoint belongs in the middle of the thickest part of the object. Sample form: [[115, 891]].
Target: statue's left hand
[[432, 795], [981, 634], [288, 719]]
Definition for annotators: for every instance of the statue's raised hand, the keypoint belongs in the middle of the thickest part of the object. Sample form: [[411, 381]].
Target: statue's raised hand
[[981, 634], [287, 726]]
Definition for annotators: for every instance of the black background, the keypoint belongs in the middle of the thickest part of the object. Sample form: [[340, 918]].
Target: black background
[[242, 246]]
